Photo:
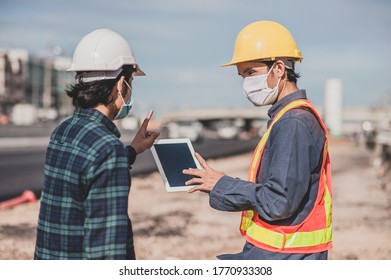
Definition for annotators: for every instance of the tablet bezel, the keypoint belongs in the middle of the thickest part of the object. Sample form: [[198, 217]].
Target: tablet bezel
[[160, 167]]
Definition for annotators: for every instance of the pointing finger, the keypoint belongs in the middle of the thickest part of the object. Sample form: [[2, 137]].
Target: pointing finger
[[150, 115], [145, 123], [201, 161]]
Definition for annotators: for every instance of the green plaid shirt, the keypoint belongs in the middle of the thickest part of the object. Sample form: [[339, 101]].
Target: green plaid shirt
[[84, 203]]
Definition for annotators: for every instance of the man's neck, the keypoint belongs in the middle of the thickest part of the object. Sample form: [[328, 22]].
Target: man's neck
[[104, 110], [287, 89]]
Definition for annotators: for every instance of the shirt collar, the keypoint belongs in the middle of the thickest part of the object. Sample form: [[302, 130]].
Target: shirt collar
[[299, 94], [97, 116]]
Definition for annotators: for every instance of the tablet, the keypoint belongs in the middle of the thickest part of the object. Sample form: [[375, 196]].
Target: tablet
[[172, 156]]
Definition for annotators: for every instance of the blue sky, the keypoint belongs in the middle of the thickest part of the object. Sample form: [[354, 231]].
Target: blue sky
[[181, 44]]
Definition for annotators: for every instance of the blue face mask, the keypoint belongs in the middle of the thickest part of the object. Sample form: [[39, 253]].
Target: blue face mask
[[125, 108]]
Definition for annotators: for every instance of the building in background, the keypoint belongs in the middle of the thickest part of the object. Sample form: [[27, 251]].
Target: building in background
[[35, 83], [13, 78], [61, 79]]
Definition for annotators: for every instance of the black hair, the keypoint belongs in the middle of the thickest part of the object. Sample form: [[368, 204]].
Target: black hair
[[90, 94], [290, 73]]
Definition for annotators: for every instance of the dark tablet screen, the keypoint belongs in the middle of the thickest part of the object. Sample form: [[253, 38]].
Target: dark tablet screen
[[174, 157]]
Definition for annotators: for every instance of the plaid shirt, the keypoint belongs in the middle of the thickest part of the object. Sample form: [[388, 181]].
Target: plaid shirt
[[84, 203]]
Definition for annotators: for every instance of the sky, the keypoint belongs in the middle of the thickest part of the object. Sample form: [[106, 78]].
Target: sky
[[181, 45]]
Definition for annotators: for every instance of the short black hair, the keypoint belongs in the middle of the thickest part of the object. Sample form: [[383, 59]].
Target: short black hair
[[90, 94], [290, 73]]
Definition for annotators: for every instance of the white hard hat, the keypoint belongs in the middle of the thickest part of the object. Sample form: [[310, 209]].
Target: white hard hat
[[100, 55]]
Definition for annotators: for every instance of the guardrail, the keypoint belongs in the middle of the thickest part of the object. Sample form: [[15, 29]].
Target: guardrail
[[30, 175]]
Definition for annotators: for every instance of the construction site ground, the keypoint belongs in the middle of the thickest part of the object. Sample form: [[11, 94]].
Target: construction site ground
[[183, 226]]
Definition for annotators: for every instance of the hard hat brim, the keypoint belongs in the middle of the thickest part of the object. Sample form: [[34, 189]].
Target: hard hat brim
[[293, 59], [138, 72], [91, 76], [229, 64]]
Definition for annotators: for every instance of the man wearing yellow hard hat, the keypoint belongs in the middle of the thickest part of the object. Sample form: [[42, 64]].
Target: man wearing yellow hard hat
[[286, 199]]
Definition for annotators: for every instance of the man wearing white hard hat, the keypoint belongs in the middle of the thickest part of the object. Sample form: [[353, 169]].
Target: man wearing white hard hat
[[286, 199], [84, 203]]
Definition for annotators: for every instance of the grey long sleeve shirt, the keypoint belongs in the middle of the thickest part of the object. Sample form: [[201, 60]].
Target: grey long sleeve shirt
[[287, 183]]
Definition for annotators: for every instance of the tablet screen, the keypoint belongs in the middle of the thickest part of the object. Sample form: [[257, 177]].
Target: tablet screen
[[174, 157]]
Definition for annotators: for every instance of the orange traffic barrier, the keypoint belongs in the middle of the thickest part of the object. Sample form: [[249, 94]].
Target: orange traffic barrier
[[26, 196]]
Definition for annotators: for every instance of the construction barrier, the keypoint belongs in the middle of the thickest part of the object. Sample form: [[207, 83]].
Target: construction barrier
[[26, 197]]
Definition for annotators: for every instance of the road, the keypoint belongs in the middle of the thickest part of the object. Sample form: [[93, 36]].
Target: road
[[22, 168]]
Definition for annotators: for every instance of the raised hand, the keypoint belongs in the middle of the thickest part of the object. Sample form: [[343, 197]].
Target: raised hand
[[144, 139]]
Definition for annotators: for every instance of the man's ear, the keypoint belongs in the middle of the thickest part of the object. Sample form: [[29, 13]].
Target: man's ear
[[117, 89], [120, 82], [280, 68]]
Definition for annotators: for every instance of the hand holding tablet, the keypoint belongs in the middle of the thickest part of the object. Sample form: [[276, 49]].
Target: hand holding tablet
[[204, 179], [172, 156]]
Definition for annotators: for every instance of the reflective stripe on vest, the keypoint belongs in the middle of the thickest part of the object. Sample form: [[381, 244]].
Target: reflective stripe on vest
[[314, 234]]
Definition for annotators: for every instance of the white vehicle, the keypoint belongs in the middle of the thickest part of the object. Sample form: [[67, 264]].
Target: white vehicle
[[24, 114], [229, 129], [129, 123], [185, 129], [227, 132]]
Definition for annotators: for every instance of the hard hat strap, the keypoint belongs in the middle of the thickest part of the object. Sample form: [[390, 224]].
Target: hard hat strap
[[91, 76]]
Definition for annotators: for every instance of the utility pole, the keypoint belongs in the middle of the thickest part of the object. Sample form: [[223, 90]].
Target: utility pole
[[35, 99], [47, 80]]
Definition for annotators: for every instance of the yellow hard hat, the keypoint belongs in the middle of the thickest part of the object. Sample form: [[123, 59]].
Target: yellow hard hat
[[264, 40]]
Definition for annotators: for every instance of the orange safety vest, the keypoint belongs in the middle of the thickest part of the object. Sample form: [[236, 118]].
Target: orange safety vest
[[312, 235]]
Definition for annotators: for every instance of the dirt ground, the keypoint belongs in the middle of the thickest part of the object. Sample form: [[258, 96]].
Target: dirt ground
[[183, 226]]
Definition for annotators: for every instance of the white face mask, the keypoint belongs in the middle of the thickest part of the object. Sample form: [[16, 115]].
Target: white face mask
[[256, 90]]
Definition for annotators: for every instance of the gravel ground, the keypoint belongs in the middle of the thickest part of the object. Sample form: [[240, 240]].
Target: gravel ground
[[183, 226]]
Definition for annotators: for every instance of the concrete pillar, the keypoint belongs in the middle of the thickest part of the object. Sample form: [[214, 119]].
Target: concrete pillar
[[333, 106]]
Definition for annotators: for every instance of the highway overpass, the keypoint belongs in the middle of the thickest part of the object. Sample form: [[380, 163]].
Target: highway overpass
[[253, 119]]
